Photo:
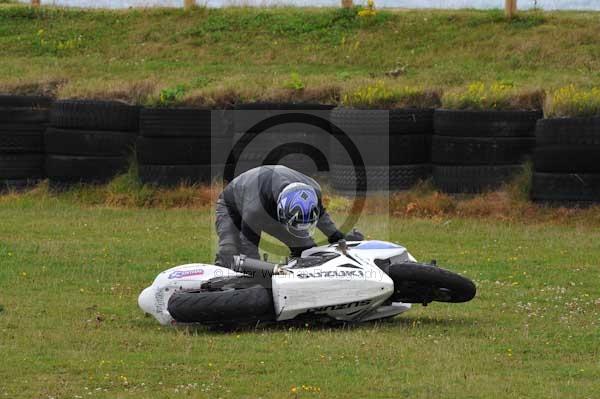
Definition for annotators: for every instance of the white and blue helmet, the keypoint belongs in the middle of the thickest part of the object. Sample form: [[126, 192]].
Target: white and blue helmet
[[298, 209]]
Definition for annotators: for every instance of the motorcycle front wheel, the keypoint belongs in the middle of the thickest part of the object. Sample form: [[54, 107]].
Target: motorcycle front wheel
[[422, 283]]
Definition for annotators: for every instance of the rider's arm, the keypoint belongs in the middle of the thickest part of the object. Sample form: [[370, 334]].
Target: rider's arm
[[328, 227]]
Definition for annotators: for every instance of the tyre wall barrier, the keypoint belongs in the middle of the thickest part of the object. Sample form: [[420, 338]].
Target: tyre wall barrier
[[394, 144], [276, 142], [566, 160], [178, 145], [466, 151], [89, 141], [474, 151], [23, 120]]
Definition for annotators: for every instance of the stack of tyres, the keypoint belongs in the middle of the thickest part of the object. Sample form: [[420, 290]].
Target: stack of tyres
[[567, 160], [475, 151], [182, 145], [290, 134], [394, 147], [23, 120], [89, 141]]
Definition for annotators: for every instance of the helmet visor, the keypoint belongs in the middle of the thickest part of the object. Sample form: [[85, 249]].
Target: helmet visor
[[302, 230]]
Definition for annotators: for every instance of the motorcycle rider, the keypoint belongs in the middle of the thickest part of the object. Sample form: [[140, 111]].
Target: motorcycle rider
[[277, 200]]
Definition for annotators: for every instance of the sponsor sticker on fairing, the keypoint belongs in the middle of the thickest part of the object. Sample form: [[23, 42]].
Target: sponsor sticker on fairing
[[186, 273], [349, 305], [331, 274]]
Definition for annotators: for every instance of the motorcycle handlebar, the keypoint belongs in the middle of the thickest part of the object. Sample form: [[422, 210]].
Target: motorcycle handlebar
[[250, 265]]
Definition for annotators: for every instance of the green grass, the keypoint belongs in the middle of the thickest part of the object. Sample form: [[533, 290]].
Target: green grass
[[70, 327], [569, 101], [499, 95], [212, 56]]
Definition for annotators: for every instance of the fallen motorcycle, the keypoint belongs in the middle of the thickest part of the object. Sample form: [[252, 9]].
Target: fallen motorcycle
[[348, 281]]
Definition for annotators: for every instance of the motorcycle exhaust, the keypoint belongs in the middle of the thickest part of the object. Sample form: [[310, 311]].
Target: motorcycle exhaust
[[244, 264]]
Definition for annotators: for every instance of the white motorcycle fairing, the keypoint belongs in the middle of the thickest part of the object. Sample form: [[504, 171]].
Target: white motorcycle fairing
[[155, 299], [370, 250], [325, 281], [348, 287]]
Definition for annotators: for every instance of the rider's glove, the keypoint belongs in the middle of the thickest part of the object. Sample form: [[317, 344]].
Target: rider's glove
[[335, 237], [225, 259], [355, 235]]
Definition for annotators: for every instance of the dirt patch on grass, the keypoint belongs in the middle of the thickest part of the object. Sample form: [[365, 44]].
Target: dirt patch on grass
[[136, 92], [506, 204], [26, 87]]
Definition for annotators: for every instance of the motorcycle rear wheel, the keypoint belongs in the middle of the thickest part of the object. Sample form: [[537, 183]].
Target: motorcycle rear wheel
[[422, 283], [223, 300]]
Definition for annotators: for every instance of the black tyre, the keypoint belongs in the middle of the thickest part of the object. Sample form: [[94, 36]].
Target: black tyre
[[567, 158], [448, 150], [89, 142], [379, 178], [182, 150], [393, 122], [246, 117], [16, 101], [359, 121], [466, 123], [568, 131], [21, 138], [73, 169], [566, 187], [421, 283], [94, 115], [402, 150], [172, 175], [473, 179], [272, 139], [275, 145], [21, 166], [177, 122], [295, 162], [237, 299], [410, 121], [23, 116]]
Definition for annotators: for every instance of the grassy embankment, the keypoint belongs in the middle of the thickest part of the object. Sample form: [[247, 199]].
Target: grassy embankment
[[213, 57]]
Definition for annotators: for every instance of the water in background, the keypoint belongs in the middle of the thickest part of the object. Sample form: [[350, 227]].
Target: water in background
[[523, 4]]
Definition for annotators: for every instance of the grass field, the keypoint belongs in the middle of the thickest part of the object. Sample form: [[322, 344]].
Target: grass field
[[70, 327], [209, 56], [72, 265]]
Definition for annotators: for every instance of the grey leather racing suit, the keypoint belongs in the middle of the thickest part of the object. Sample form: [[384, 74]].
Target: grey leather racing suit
[[247, 207]]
